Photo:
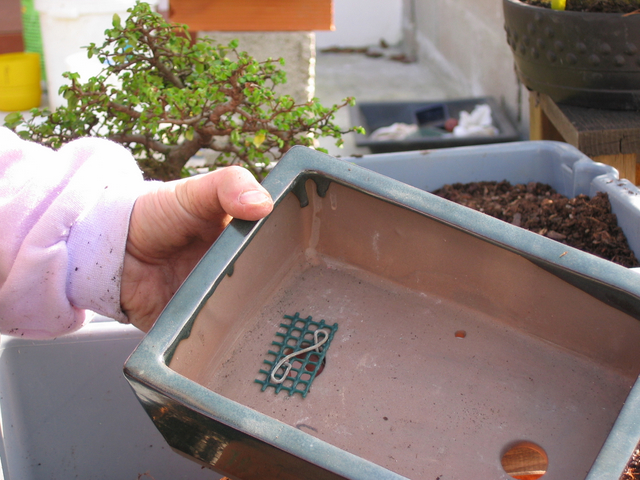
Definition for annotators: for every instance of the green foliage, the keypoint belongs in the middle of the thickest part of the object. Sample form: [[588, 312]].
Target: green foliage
[[165, 97]]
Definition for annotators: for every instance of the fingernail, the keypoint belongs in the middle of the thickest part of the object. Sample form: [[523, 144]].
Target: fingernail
[[253, 197]]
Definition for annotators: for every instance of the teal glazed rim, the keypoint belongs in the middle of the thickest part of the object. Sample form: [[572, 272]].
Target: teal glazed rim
[[202, 424]]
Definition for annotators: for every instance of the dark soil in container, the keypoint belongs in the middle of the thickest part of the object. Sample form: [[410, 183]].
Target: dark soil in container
[[580, 222], [604, 6]]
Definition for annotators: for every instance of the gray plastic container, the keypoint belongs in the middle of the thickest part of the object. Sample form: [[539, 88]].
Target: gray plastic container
[[558, 164], [373, 115], [67, 411]]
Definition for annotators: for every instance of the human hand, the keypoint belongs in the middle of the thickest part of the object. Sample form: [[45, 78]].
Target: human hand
[[173, 226]]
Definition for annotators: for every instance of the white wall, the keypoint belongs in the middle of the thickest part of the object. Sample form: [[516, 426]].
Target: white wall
[[465, 40], [296, 48], [362, 23]]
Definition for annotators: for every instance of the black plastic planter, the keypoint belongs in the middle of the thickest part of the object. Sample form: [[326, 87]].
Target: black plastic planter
[[577, 58]]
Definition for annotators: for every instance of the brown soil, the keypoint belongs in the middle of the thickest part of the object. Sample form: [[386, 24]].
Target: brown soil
[[581, 222], [602, 6], [632, 472]]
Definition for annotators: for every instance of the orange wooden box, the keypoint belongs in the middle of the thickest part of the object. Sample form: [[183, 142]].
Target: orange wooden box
[[253, 15]]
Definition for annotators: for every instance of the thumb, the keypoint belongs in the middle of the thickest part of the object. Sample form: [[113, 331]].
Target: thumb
[[231, 190]]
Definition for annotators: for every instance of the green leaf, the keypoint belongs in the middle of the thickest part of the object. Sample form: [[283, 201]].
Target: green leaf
[[13, 120], [259, 138], [115, 21]]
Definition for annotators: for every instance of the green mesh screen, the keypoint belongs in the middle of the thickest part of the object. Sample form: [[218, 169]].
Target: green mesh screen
[[300, 356]]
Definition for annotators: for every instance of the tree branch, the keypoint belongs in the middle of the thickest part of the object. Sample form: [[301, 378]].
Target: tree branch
[[148, 142]]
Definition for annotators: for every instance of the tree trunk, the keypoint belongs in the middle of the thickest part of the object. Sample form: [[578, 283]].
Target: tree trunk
[[174, 160]]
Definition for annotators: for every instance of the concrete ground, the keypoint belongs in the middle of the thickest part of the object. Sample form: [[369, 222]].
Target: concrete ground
[[341, 75]]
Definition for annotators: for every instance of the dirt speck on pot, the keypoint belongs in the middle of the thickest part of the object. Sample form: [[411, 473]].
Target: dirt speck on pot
[[580, 222]]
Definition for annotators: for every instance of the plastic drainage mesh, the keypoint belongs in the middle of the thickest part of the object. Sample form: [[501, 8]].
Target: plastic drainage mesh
[[300, 356]]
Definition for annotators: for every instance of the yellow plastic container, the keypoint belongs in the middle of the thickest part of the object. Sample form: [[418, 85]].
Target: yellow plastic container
[[20, 87]]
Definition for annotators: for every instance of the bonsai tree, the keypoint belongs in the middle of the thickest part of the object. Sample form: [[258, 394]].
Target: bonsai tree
[[164, 97]]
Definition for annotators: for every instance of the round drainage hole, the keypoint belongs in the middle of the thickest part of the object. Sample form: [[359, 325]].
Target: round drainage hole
[[298, 361], [525, 461]]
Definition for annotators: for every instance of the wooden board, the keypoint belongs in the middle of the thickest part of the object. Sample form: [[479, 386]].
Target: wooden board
[[626, 164], [10, 27], [10, 16], [11, 42], [253, 15]]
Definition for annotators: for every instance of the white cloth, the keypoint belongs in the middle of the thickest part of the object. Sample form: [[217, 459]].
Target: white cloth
[[397, 131], [64, 219], [478, 123]]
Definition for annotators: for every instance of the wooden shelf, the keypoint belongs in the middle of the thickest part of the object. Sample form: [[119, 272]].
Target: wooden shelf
[[606, 136]]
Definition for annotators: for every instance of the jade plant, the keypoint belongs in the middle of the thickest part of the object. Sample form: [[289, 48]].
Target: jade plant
[[165, 96]]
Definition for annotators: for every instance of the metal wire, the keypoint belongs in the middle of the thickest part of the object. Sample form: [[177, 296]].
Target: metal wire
[[284, 362]]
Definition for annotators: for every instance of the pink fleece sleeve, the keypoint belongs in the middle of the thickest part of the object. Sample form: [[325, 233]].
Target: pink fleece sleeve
[[64, 219]]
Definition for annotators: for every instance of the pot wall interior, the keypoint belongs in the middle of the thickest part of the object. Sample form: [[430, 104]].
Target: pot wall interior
[[449, 348]]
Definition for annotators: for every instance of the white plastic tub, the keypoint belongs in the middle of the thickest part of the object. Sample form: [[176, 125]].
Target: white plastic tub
[[67, 411], [558, 164]]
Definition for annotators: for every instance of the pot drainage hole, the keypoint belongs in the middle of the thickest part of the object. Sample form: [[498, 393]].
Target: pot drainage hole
[[460, 334], [300, 356], [525, 461]]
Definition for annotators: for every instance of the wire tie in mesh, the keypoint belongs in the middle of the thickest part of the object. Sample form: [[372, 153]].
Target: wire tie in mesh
[[285, 361], [300, 361]]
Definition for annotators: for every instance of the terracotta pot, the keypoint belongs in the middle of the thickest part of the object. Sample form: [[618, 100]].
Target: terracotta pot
[[577, 58]]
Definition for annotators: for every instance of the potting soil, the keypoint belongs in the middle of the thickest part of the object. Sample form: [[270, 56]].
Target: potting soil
[[580, 222], [605, 6]]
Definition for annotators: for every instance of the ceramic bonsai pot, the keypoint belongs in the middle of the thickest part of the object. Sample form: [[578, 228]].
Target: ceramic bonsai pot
[[557, 164], [577, 58], [450, 336]]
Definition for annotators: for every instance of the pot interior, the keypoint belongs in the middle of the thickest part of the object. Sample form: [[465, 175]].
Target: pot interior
[[449, 349]]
